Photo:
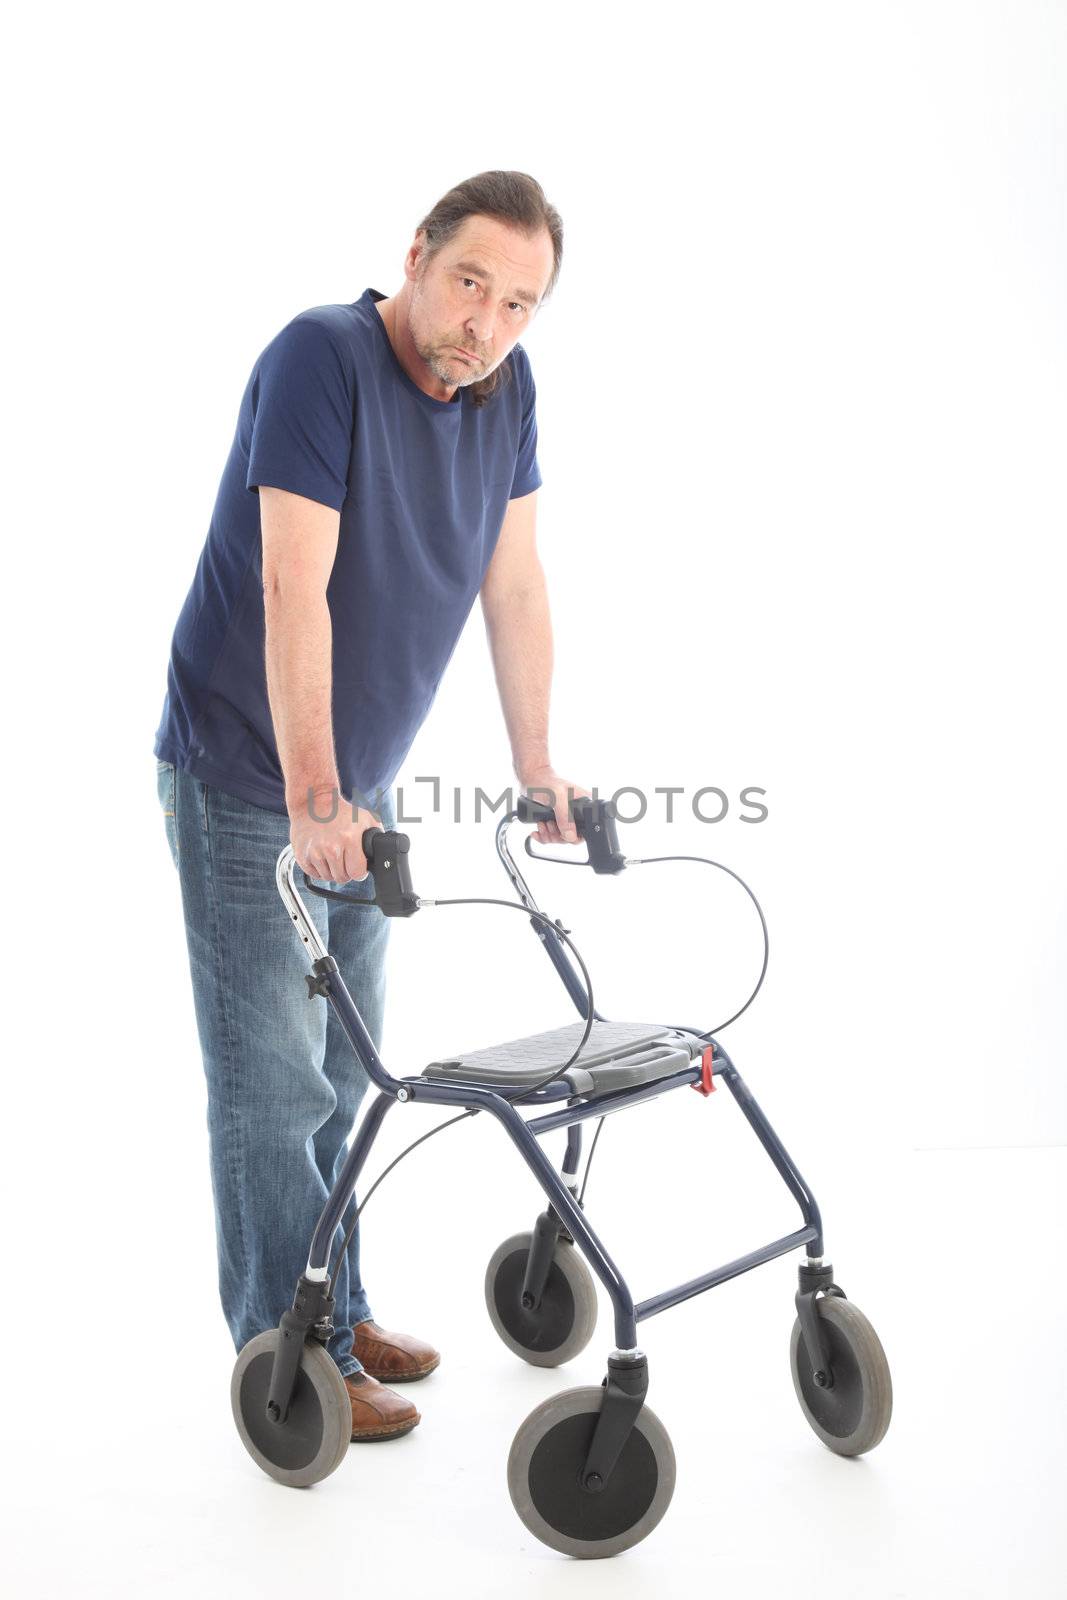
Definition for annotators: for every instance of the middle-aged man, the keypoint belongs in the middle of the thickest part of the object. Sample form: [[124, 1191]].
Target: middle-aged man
[[383, 473]]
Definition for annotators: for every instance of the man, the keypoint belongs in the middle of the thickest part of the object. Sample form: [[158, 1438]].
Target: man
[[383, 473]]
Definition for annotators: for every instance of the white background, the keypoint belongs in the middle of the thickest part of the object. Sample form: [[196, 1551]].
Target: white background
[[802, 407]]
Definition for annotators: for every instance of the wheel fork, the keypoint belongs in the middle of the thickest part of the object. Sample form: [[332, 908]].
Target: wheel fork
[[625, 1388], [547, 1231], [815, 1278], [310, 1314]]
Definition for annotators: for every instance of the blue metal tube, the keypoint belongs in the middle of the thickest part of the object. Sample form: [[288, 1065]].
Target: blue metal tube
[[774, 1147], [609, 1102], [708, 1280], [341, 1193]]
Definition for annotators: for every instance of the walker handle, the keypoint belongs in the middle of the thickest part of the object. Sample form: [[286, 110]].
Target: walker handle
[[530, 810], [387, 858], [595, 822]]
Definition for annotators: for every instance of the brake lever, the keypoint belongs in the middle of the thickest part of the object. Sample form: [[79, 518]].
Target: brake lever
[[562, 861], [595, 821]]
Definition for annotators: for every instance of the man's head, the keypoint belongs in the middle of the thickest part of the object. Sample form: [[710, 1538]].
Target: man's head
[[482, 263]]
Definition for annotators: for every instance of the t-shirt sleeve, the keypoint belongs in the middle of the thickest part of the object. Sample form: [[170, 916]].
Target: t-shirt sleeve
[[302, 416], [527, 475]]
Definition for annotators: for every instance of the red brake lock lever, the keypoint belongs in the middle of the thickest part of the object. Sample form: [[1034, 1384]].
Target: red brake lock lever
[[706, 1083]]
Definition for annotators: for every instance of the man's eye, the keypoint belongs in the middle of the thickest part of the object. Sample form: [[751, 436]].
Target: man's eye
[[516, 303]]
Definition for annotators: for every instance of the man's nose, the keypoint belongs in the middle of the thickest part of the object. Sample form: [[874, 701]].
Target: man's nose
[[480, 329]]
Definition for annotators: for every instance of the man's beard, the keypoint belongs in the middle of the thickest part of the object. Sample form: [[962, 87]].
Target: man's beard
[[450, 368]]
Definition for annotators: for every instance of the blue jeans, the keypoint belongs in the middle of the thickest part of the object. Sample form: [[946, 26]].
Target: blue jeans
[[283, 1083]]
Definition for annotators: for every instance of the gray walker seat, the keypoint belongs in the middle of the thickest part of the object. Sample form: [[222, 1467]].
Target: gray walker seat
[[591, 1470], [617, 1055]]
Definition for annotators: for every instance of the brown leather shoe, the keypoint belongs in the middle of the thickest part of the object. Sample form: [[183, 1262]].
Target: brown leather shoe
[[397, 1357], [377, 1413]]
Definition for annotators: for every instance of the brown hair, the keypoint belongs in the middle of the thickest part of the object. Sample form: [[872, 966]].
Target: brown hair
[[511, 197]]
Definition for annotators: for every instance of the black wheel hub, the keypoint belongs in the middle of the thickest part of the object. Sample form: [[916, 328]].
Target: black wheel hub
[[547, 1327], [836, 1406], [616, 1506], [296, 1441]]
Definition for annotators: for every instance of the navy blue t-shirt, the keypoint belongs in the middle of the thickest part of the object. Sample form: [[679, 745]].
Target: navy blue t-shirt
[[422, 486]]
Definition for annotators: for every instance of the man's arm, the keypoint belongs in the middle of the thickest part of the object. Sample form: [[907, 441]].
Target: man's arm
[[299, 545], [519, 629]]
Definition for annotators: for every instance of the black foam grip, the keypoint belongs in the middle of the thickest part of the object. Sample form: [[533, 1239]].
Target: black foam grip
[[531, 810]]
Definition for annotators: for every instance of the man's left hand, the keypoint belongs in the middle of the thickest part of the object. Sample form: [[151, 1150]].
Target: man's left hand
[[546, 784]]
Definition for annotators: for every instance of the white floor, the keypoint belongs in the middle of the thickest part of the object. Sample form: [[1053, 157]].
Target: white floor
[[137, 1484]]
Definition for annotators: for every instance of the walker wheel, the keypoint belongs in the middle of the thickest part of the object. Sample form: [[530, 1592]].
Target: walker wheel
[[548, 1454], [563, 1323], [853, 1415], [314, 1438]]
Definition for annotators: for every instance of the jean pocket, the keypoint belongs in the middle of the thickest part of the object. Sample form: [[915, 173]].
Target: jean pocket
[[166, 787]]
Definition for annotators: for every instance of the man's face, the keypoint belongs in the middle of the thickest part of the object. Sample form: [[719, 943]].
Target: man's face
[[479, 294]]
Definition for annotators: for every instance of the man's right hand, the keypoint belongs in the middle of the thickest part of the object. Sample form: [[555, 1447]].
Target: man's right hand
[[331, 849]]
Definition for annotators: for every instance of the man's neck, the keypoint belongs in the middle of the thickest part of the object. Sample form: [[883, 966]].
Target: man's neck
[[407, 355]]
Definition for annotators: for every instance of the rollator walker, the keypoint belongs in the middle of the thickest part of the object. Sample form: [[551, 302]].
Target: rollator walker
[[591, 1470]]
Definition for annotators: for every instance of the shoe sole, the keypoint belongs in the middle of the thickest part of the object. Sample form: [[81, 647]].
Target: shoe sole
[[383, 1433], [403, 1377]]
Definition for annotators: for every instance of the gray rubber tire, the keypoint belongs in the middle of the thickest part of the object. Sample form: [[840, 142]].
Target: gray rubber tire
[[323, 1388], [853, 1417], [540, 1469], [577, 1281]]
